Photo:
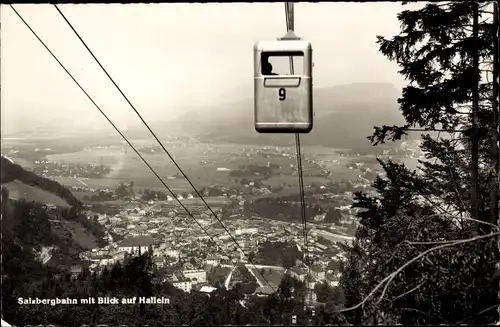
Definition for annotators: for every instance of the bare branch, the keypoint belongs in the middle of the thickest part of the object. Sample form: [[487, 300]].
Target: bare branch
[[478, 221], [410, 291], [385, 288], [391, 276], [494, 306], [427, 314]]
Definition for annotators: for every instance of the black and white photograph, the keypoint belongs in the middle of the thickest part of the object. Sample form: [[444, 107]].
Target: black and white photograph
[[261, 163]]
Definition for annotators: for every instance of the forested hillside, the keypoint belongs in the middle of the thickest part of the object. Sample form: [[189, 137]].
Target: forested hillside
[[11, 172], [31, 226]]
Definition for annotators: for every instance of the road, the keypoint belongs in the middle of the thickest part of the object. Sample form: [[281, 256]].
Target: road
[[228, 279], [257, 277], [252, 268], [249, 265], [332, 236]]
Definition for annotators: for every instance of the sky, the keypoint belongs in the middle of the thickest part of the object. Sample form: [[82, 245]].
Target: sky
[[171, 57]]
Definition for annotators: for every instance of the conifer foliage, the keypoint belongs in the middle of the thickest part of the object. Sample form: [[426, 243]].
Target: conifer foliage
[[425, 251]]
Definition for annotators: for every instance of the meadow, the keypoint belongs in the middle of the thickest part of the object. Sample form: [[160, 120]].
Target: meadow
[[199, 162], [18, 190]]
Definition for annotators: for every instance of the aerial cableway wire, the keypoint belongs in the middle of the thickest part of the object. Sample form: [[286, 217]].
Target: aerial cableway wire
[[112, 124], [290, 28], [126, 140], [158, 140]]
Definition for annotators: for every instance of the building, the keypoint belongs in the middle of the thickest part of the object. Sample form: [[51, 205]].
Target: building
[[241, 231], [298, 273], [212, 261], [75, 271], [136, 244], [98, 251], [207, 289], [184, 285], [172, 253], [320, 246], [195, 275], [102, 260], [318, 273], [332, 280], [158, 262], [119, 256], [264, 291]]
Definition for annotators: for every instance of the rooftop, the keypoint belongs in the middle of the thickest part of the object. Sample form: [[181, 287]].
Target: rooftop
[[264, 290], [298, 270], [207, 289]]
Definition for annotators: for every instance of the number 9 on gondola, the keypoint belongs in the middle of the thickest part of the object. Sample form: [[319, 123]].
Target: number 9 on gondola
[[283, 101]]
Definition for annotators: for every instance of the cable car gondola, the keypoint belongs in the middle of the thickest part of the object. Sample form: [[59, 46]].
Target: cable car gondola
[[283, 100]]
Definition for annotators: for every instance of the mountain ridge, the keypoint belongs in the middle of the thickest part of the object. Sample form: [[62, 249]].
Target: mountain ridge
[[344, 116]]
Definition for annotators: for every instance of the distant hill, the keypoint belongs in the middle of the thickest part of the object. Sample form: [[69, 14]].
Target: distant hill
[[344, 116], [42, 220]]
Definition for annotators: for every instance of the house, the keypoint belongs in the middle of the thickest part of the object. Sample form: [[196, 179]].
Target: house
[[207, 289], [235, 258], [75, 270], [333, 283], [188, 266], [212, 261], [332, 280], [102, 260], [184, 285], [195, 275], [158, 262], [321, 247], [172, 253], [298, 273], [98, 251], [136, 244], [318, 273], [119, 256]]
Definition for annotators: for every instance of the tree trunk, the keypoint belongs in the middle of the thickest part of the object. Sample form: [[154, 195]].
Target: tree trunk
[[495, 215], [474, 116]]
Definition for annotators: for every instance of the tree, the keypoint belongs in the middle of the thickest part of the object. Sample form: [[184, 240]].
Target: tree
[[131, 187], [333, 216], [440, 50], [121, 190]]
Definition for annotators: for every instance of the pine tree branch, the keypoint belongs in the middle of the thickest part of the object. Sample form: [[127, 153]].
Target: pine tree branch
[[427, 314], [391, 276], [477, 314], [457, 193]]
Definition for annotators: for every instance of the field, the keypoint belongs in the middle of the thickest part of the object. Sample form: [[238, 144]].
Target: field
[[199, 162], [274, 276], [19, 190], [213, 201]]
